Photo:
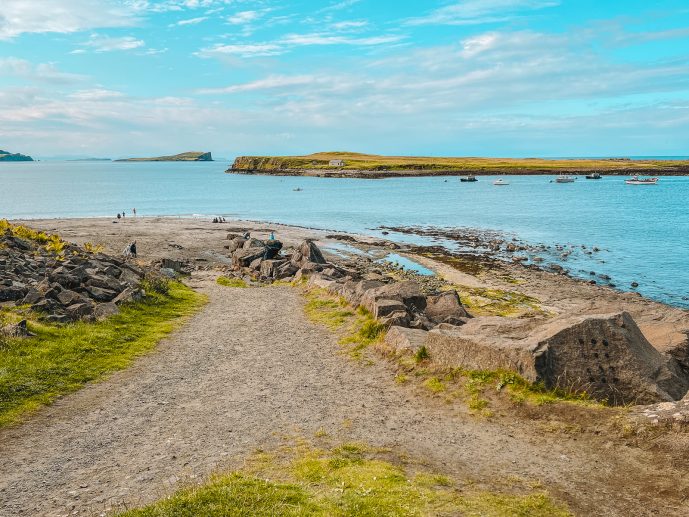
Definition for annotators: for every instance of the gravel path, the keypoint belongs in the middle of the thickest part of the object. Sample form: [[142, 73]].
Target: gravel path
[[250, 367]]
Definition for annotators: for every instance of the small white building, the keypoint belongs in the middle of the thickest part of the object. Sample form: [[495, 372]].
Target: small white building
[[336, 163]]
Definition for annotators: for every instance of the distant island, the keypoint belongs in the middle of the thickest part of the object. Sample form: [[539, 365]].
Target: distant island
[[356, 165], [182, 157], [6, 156]]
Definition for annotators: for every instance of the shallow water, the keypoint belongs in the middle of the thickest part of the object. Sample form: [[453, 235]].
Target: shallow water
[[642, 230]]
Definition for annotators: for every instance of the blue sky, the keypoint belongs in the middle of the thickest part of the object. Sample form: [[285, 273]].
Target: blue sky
[[440, 77]]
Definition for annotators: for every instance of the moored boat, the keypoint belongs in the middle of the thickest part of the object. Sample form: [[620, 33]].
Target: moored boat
[[469, 178], [500, 181], [594, 176], [635, 180], [565, 178]]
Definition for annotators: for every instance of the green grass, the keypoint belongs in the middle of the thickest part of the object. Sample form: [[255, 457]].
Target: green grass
[[326, 309], [231, 282], [357, 161], [481, 301], [342, 481], [364, 331], [62, 359]]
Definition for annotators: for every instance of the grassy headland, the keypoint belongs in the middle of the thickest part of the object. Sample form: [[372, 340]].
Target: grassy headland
[[6, 156], [375, 166], [62, 358], [193, 156]]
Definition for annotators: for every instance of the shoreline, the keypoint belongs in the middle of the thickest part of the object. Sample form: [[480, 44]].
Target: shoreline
[[419, 173], [475, 245], [202, 244]]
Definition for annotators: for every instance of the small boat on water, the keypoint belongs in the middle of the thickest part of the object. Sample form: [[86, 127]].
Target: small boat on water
[[500, 181], [635, 180], [298, 189], [470, 178], [565, 178], [594, 176]]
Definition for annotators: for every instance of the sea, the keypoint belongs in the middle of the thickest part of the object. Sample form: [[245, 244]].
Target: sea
[[642, 231]]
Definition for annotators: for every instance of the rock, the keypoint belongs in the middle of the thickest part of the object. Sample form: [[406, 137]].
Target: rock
[[105, 310], [404, 339], [167, 272], [178, 266], [269, 268], [245, 256], [310, 253], [20, 329], [129, 295], [80, 310], [407, 292], [321, 281], [383, 307], [32, 297], [446, 305], [273, 248], [256, 264], [286, 270], [605, 355], [101, 295], [68, 298], [235, 244], [253, 243], [396, 319]]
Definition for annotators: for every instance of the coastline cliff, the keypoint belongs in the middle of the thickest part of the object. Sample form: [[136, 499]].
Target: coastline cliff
[[6, 156], [193, 156], [355, 165]]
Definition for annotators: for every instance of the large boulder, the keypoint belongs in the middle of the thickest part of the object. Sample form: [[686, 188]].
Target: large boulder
[[606, 356], [244, 257], [383, 308], [269, 268], [404, 339], [308, 252], [408, 292]]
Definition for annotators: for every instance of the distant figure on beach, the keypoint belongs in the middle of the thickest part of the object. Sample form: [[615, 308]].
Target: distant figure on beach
[[247, 235], [119, 216], [132, 249], [123, 214], [134, 211], [215, 219], [272, 236]]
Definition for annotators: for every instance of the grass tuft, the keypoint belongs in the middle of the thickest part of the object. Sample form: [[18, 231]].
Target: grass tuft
[[327, 309], [62, 358], [232, 282]]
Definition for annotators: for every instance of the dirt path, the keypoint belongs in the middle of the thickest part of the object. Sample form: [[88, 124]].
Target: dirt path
[[250, 367]]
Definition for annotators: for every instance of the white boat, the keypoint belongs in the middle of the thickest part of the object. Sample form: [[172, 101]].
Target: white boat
[[501, 181], [635, 180], [565, 178]]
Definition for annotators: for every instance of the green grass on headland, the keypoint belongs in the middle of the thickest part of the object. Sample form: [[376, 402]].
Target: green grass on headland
[[476, 165], [343, 481], [62, 358]]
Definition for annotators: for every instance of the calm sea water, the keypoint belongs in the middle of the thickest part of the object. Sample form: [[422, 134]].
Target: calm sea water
[[642, 230]]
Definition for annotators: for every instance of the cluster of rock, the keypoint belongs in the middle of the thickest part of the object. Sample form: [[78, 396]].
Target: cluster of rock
[[73, 285], [393, 303]]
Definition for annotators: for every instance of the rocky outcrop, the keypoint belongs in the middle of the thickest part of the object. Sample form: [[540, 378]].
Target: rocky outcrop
[[192, 156], [65, 285], [6, 156], [605, 356]]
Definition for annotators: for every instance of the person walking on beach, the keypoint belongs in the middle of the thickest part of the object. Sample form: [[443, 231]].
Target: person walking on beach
[[134, 211], [132, 249]]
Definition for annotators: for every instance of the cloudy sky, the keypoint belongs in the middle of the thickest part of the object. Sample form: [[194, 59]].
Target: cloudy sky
[[436, 77]]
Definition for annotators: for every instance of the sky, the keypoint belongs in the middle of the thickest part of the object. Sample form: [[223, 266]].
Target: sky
[[115, 78]]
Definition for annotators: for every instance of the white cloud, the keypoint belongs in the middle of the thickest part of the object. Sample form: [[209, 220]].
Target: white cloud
[[289, 41], [244, 17], [45, 72], [472, 12], [96, 94], [62, 16], [100, 43], [190, 21], [269, 83]]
